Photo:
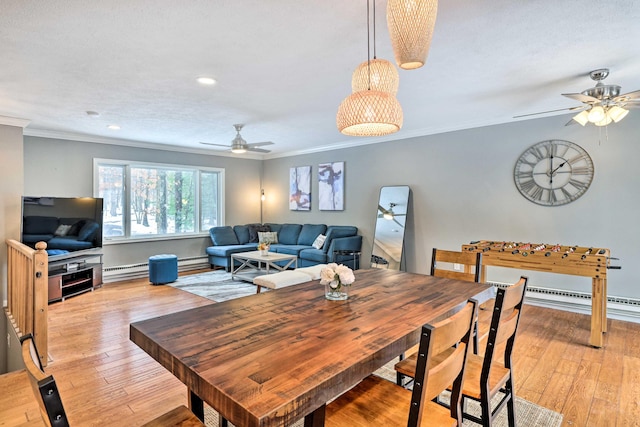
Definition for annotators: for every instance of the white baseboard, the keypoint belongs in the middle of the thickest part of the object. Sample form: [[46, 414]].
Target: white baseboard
[[619, 308], [136, 271]]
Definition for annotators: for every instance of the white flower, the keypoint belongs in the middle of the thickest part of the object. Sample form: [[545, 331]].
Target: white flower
[[336, 275]]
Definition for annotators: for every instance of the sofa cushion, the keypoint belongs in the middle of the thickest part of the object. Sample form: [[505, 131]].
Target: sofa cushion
[[242, 233], [254, 229], [39, 224], [88, 231], [316, 255], [274, 227], [288, 249], [75, 227], [223, 236], [227, 250], [309, 233], [288, 234], [62, 230]]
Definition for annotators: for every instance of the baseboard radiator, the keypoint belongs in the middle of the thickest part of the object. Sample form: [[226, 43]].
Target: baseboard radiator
[[137, 271], [621, 308]]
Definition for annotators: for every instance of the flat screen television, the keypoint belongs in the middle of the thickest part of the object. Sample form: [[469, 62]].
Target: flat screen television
[[66, 224]]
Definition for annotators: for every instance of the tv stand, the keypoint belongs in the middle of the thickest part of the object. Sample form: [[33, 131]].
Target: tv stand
[[74, 274]]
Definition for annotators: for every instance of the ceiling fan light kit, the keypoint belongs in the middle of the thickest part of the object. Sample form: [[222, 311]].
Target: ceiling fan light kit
[[411, 24]]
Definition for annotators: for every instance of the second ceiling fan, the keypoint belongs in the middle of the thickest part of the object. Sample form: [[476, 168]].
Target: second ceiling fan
[[602, 104], [239, 145]]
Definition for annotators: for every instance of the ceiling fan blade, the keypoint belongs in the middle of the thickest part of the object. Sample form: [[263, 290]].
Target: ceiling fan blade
[[259, 144], [217, 145], [257, 150], [581, 97], [580, 107], [628, 96]]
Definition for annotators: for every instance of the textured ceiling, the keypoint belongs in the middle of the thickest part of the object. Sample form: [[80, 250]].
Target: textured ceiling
[[284, 66]]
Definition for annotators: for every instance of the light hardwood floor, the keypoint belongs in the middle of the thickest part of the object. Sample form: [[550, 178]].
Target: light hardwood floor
[[105, 379]]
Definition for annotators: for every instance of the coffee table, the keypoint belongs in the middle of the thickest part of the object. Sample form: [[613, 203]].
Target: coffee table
[[254, 264]]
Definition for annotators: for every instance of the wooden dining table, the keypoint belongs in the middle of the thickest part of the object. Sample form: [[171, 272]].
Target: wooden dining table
[[273, 358]]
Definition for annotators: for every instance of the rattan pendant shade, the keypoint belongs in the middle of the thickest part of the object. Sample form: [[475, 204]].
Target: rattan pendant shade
[[378, 74], [411, 24], [369, 113]]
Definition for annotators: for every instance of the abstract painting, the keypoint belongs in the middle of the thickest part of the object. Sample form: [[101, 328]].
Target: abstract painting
[[331, 186], [300, 188]]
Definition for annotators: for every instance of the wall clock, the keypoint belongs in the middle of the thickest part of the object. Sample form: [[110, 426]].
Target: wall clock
[[553, 173]]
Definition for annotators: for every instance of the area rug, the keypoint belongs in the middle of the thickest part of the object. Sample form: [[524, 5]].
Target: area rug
[[218, 286]]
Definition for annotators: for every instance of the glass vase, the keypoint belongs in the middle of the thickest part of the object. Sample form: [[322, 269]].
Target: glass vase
[[339, 293]]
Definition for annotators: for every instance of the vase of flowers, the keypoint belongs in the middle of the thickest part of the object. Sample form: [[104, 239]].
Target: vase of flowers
[[336, 280], [263, 247]]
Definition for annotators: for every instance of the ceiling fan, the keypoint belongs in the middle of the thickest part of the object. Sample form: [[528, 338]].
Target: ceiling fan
[[602, 103], [239, 145]]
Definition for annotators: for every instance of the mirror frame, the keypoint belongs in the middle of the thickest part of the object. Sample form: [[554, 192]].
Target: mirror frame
[[391, 217]]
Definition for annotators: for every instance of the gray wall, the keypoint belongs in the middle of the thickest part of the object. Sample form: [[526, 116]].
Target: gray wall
[[11, 185], [64, 168], [463, 190]]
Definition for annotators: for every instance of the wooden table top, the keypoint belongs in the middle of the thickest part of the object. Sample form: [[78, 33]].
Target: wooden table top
[[270, 359]]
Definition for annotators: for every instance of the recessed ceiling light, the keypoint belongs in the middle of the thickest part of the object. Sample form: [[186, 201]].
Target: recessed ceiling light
[[114, 127], [208, 81], [93, 113]]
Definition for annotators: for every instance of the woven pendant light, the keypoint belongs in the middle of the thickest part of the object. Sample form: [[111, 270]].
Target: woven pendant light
[[369, 113], [377, 74], [410, 24]]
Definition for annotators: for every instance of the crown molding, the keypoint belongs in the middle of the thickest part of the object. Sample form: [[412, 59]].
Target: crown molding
[[14, 121], [71, 136]]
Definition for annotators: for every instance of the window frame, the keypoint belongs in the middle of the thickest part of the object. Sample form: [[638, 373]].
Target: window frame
[[127, 165]]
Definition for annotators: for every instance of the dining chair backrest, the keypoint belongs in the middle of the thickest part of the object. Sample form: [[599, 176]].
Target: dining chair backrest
[[447, 342], [504, 325], [43, 385], [442, 265]]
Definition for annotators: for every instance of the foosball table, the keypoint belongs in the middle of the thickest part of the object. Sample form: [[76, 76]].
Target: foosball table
[[572, 260]]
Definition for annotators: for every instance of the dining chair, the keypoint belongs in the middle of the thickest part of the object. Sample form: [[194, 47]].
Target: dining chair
[[489, 374], [376, 401], [51, 408]]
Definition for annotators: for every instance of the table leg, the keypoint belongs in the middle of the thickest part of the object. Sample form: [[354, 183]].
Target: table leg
[[196, 405], [316, 418], [598, 310]]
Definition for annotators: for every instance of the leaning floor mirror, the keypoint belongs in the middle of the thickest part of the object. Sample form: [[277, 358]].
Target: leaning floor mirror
[[391, 219]]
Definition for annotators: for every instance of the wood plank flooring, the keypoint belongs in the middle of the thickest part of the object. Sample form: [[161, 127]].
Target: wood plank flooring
[[105, 379]]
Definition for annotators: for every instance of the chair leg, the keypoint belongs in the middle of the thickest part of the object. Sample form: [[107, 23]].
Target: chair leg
[[511, 404], [485, 405]]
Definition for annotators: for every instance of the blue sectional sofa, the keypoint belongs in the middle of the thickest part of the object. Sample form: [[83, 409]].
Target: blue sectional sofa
[[293, 239], [75, 233]]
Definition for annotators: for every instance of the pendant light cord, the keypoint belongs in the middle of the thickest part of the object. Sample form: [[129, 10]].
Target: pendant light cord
[[369, 46]]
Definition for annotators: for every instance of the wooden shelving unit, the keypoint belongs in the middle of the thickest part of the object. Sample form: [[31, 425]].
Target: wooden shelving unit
[[74, 275]]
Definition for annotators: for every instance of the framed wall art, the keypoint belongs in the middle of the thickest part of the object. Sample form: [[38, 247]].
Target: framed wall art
[[331, 186], [300, 188]]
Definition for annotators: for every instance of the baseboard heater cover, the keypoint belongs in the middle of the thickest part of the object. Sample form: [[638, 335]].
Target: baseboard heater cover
[[620, 308], [135, 271]]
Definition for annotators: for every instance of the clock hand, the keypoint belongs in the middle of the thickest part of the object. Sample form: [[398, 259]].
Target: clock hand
[[561, 165]]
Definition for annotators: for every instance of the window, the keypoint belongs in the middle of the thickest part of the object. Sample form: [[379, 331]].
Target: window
[[145, 200]]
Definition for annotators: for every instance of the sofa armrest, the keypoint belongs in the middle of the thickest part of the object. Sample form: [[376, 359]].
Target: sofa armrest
[[351, 243]]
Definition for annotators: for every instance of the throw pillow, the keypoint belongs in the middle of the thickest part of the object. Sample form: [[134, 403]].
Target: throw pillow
[[62, 230], [75, 228], [269, 237], [88, 231], [253, 232], [319, 241]]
